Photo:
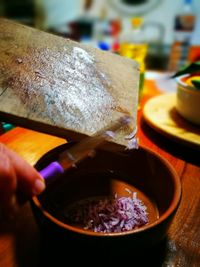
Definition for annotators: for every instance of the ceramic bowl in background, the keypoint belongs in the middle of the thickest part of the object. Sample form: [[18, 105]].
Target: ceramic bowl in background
[[110, 172], [188, 100]]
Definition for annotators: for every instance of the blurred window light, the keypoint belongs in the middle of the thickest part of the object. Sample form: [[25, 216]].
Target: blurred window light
[[54, 13]]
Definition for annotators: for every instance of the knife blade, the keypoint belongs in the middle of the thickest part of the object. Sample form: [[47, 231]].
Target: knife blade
[[81, 150]]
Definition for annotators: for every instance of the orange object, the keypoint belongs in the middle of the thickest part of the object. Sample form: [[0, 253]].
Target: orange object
[[194, 53], [189, 80]]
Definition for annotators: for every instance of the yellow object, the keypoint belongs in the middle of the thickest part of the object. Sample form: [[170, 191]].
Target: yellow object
[[133, 44], [135, 51], [192, 78], [136, 21], [160, 113]]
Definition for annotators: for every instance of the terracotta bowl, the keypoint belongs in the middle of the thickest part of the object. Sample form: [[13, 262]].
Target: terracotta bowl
[[142, 171]]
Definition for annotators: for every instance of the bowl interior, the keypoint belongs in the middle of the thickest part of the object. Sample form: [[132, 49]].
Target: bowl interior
[[110, 173]]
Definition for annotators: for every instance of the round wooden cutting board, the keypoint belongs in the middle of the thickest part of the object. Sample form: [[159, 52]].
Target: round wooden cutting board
[[160, 113]]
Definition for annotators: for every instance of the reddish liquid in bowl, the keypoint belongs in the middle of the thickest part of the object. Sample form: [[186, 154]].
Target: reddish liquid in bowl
[[93, 186], [112, 213], [110, 172]]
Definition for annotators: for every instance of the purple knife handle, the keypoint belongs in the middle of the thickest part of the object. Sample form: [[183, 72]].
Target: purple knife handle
[[52, 170]]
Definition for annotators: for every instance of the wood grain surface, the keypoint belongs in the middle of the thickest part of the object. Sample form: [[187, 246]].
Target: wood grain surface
[[60, 87], [160, 112]]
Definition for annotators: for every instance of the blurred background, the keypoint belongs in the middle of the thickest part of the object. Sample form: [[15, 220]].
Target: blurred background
[[160, 34]]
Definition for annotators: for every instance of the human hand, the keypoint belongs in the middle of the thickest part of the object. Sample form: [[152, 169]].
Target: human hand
[[19, 181]]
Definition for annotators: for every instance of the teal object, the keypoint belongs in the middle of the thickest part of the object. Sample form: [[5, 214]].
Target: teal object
[[7, 126]]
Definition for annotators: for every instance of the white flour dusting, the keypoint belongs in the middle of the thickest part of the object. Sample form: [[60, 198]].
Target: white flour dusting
[[68, 89]]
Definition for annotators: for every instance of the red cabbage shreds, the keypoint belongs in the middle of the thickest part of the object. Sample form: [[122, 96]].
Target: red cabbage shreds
[[114, 215]]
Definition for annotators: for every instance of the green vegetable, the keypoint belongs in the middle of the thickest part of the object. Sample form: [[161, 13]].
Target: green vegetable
[[196, 83], [190, 69]]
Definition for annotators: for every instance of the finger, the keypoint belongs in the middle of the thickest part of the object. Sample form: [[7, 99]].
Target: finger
[[29, 180], [8, 184]]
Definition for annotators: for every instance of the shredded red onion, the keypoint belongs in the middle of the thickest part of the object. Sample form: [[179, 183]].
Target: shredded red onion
[[106, 215]]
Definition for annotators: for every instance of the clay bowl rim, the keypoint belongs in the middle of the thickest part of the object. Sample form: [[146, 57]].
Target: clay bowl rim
[[185, 87], [170, 210]]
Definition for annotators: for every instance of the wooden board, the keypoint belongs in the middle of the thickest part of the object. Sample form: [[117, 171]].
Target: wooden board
[[54, 85], [160, 113]]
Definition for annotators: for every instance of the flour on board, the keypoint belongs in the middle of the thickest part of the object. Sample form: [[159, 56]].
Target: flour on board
[[74, 97]]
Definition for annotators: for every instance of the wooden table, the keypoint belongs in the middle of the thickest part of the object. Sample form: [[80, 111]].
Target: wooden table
[[19, 239]]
